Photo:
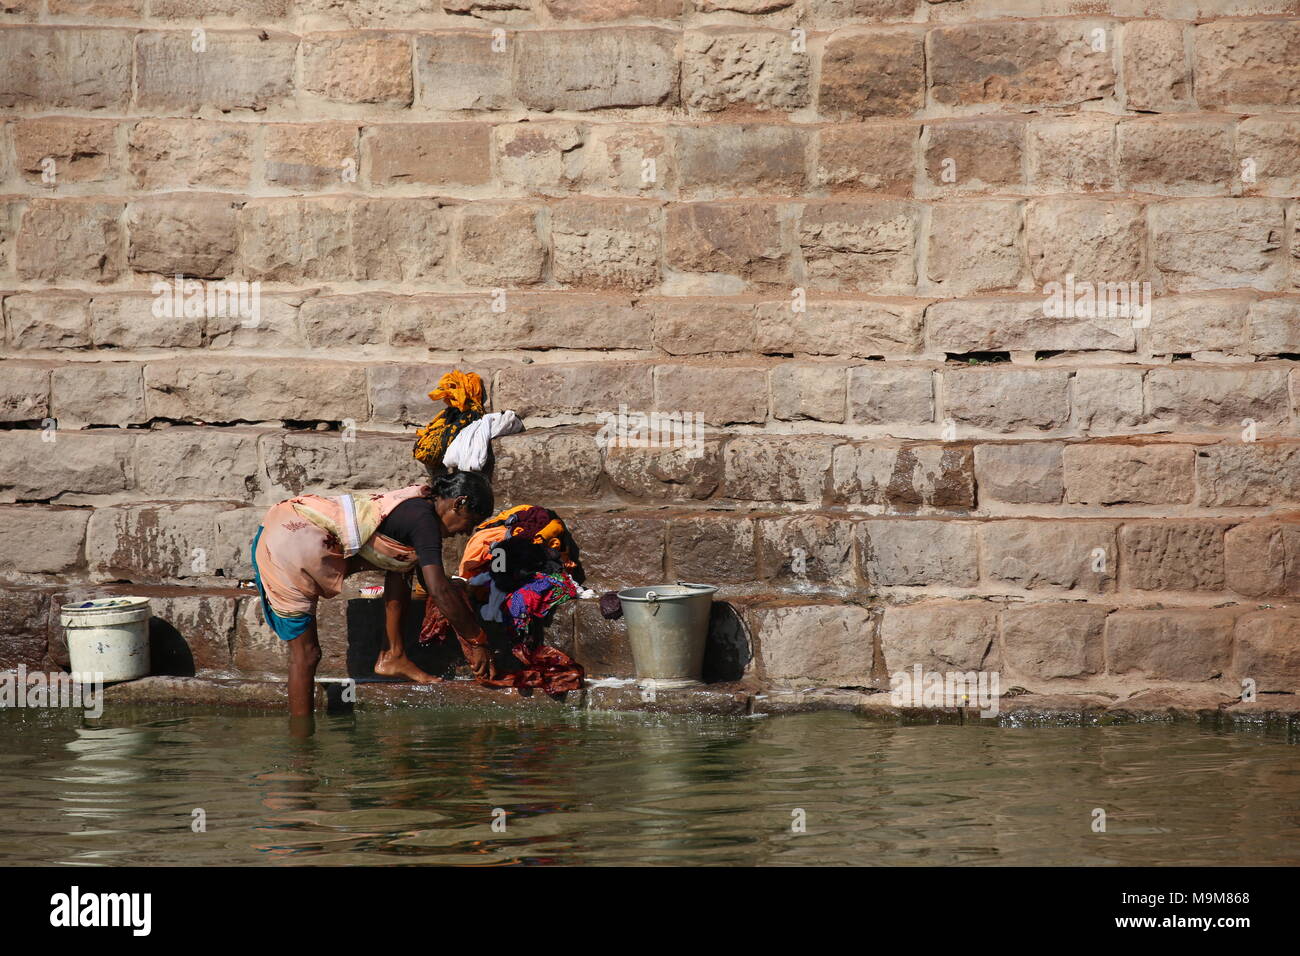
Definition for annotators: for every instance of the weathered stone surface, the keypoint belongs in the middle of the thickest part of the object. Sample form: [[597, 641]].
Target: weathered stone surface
[[1108, 399], [743, 70], [918, 553], [1157, 75], [1252, 474], [1023, 473], [904, 477], [628, 161], [500, 245], [940, 635], [620, 550], [24, 392], [1020, 323], [861, 329], [1272, 327], [735, 240], [886, 396], [97, 393], [535, 466], [1241, 62], [587, 70], [248, 391], [358, 67], [828, 644], [196, 463], [605, 244], [1188, 644], [880, 157], [324, 463], [461, 70], [236, 70], [203, 623], [1267, 651], [974, 155], [721, 395], [1042, 553], [23, 635], [146, 543], [1168, 555], [1109, 474], [789, 468], [1185, 323], [1218, 243], [61, 67], [1268, 155], [73, 463], [546, 390], [313, 155], [59, 532], [540, 157], [718, 549], [597, 10], [695, 326], [1177, 157], [295, 239], [167, 153], [691, 469], [1006, 399], [182, 234], [71, 239], [1092, 239], [59, 149], [740, 160], [1044, 63], [866, 247], [438, 154], [872, 73], [1072, 153], [47, 320], [974, 247], [398, 240], [1262, 558], [1050, 641], [806, 549], [815, 392], [1218, 396]]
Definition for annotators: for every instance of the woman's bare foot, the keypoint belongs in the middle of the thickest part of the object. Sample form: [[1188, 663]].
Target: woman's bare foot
[[390, 665]]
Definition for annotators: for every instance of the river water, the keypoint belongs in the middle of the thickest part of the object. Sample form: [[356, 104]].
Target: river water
[[408, 787]]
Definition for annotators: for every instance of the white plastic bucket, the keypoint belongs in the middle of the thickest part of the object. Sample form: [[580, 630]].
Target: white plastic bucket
[[108, 637]]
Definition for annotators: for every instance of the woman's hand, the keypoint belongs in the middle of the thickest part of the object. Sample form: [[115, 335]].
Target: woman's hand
[[479, 656]]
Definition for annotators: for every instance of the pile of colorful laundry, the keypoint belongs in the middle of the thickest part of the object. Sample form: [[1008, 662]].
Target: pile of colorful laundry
[[460, 437], [519, 566]]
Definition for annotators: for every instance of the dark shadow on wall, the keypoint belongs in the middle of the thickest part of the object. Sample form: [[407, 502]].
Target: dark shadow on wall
[[727, 652], [169, 654], [365, 623]]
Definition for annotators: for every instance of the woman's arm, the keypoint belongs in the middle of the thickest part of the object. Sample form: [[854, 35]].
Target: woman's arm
[[455, 607]]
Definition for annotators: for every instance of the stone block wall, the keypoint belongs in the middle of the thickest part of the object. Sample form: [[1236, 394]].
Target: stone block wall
[[828, 227]]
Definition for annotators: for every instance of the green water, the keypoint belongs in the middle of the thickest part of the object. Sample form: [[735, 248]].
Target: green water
[[421, 787]]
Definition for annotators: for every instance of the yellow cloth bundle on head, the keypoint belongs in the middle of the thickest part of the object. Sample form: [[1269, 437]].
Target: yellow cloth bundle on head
[[463, 394]]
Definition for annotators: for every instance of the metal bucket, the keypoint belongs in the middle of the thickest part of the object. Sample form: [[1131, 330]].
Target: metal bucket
[[667, 626], [108, 637]]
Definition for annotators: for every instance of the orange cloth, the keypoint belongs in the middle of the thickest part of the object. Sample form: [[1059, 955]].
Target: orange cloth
[[463, 391], [478, 551]]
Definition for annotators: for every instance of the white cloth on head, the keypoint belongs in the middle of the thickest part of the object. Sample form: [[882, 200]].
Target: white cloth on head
[[468, 451]]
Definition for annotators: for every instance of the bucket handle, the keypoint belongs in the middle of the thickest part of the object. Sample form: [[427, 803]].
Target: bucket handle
[[652, 598]]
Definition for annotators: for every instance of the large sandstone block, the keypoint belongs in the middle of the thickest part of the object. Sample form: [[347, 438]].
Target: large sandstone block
[[1185, 644], [174, 153], [718, 549], [1050, 641], [862, 329], [71, 239], [606, 244], [1157, 75], [788, 468], [546, 466], [720, 395], [1262, 558], [904, 477], [358, 67], [351, 321], [1038, 63], [740, 160], [203, 622], [940, 636], [826, 643], [1251, 474], [880, 157], [811, 392], [544, 157], [1272, 327], [695, 326], [24, 392], [1046, 553], [399, 394], [64, 67], [888, 396], [743, 71], [1188, 157], [1023, 473], [436, 154], [310, 156], [1094, 240], [235, 70], [739, 240], [323, 463], [1007, 399], [59, 532], [918, 553], [399, 240], [256, 391], [1218, 396], [184, 234], [974, 156], [1107, 400], [546, 321], [974, 247], [1072, 154], [629, 161], [547, 390], [1020, 324], [295, 239], [500, 245], [798, 550], [1218, 243], [1269, 147], [867, 247], [872, 73], [47, 320], [71, 149], [94, 462], [1267, 651], [1110, 474], [620, 550], [1187, 323], [1170, 555], [197, 463], [1247, 62], [587, 70], [665, 472], [24, 635], [145, 543], [98, 393], [463, 70]]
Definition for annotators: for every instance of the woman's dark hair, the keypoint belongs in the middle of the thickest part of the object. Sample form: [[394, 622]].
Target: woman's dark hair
[[468, 484]]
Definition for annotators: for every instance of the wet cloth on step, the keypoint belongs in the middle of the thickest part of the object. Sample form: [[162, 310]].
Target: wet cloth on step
[[468, 451], [462, 392], [611, 608]]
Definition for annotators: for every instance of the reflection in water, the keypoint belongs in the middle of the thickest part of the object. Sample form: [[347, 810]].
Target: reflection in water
[[411, 787]]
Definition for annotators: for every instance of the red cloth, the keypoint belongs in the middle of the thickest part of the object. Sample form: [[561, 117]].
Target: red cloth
[[436, 627], [545, 667]]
